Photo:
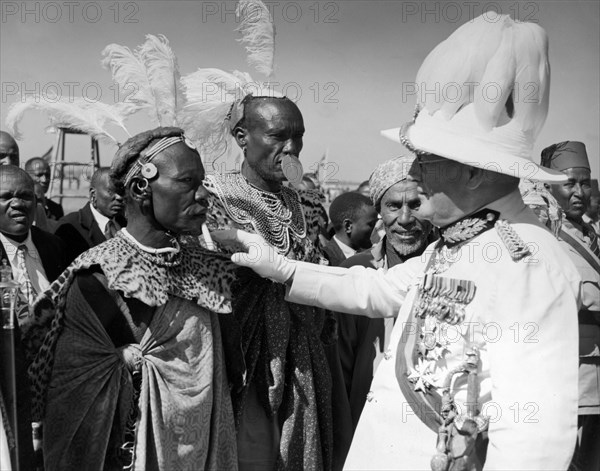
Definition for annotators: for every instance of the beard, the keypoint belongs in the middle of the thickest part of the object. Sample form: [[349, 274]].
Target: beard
[[405, 248]]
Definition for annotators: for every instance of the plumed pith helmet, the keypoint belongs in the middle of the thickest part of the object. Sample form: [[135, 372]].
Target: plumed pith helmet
[[483, 98]]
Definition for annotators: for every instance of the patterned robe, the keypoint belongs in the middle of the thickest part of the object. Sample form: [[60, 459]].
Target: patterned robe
[[159, 403], [273, 344]]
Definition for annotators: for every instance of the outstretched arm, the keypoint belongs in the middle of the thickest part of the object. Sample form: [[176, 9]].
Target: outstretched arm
[[358, 290]]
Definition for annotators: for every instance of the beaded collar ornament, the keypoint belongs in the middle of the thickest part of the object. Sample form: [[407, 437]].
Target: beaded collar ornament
[[272, 215]]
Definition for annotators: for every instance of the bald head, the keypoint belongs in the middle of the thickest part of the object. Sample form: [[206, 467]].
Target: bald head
[[103, 194], [39, 170], [100, 177], [8, 172], [9, 150]]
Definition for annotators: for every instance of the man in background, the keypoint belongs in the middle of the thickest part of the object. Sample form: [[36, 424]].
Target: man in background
[[9, 150], [363, 341], [36, 258], [39, 170], [353, 218], [573, 197], [97, 221]]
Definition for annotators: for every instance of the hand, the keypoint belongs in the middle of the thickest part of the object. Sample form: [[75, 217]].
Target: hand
[[256, 254]]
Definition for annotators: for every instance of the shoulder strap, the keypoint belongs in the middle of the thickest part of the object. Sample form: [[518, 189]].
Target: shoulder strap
[[581, 249]]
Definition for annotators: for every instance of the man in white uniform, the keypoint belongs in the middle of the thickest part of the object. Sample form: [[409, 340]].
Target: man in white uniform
[[482, 373]]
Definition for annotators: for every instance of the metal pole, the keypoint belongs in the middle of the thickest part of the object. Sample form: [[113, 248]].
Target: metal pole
[[9, 367], [53, 165], [62, 164]]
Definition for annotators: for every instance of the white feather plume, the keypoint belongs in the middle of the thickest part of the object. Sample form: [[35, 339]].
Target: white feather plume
[[258, 35], [209, 96], [129, 74], [488, 62], [147, 77], [89, 117], [163, 74]]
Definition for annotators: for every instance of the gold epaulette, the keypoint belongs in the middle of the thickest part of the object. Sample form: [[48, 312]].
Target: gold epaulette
[[517, 248]]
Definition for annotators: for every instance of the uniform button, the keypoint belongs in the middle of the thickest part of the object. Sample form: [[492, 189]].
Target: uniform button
[[370, 396], [387, 354]]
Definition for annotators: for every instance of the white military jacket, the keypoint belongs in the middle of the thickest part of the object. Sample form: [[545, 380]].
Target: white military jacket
[[523, 319]]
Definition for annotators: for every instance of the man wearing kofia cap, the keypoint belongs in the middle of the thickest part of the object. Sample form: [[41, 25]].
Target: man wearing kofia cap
[[573, 196]]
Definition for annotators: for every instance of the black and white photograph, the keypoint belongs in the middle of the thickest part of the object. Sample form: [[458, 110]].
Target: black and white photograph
[[300, 235]]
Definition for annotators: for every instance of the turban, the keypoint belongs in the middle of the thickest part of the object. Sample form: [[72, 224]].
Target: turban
[[388, 174], [564, 155]]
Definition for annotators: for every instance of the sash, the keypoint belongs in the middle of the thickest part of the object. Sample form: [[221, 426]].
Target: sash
[[581, 248], [426, 407]]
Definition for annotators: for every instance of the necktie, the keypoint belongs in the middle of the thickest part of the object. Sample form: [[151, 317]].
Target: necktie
[[26, 286], [112, 227]]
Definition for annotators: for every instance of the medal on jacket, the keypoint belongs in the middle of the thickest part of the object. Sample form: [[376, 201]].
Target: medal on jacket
[[444, 298]]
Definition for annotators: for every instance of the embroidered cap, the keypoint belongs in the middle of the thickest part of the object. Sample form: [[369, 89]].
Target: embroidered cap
[[388, 174]]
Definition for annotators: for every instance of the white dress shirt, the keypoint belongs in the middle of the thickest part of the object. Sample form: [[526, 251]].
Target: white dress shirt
[[33, 263], [100, 219], [346, 249]]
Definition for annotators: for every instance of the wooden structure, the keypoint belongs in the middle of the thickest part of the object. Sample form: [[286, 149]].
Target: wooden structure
[[59, 167]]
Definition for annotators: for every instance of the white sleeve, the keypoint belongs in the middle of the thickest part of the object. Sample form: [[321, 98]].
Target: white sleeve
[[534, 370], [355, 290]]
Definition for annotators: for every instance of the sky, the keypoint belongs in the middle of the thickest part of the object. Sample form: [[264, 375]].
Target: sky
[[346, 63]]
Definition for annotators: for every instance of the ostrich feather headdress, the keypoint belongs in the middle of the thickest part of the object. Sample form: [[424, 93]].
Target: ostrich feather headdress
[[214, 97], [148, 79], [93, 118], [483, 97]]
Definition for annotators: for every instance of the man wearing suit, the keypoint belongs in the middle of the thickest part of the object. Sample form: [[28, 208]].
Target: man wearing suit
[[353, 218], [36, 258], [97, 221], [39, 170]]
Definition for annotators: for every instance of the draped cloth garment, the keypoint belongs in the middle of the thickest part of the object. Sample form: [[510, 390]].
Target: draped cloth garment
[[184, 418], [181, 413]]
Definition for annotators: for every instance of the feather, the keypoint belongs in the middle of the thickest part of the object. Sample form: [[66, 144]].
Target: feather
[[163, 74], [147, 77], [460, 60], [258, 35], [532, 76], [497, 81], [497, 58], [129, 73], [89, 117]]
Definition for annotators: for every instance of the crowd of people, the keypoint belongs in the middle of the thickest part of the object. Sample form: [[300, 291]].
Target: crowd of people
[[445, 315]]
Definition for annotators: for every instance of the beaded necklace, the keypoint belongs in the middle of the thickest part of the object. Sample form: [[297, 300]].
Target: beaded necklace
[[274, 216]]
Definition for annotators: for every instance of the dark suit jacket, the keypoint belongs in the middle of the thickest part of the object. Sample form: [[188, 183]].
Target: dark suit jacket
[[333, 253], [52, 252], [341, 415], [53, 210], [79, 231], [53, 257]]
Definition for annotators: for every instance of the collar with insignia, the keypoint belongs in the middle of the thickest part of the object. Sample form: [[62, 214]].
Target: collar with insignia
[[468, 227]]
